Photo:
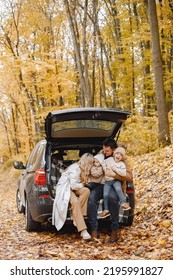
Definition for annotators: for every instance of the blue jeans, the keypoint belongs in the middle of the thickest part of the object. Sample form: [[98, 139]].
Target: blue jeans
[[118, 188], [95, 195]]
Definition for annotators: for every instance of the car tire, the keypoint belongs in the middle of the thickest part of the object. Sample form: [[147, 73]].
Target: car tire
[[20, 207], [30, 224]]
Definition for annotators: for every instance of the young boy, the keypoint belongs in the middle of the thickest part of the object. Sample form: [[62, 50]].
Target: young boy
[[116, 164]]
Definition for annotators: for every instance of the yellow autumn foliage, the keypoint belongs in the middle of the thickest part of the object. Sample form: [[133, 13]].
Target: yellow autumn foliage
[[140, 135]]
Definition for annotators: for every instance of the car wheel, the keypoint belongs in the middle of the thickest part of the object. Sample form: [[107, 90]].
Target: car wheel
[[20, 207], [30, 224]]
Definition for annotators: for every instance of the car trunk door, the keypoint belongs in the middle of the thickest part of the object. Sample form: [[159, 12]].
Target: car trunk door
[[83, 125]]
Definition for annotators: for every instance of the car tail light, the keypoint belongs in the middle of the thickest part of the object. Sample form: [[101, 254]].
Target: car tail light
[[40, 177], [44, 196], [130, 191]]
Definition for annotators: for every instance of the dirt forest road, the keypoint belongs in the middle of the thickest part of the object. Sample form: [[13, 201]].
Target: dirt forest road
[[16, 243], [150, 236]]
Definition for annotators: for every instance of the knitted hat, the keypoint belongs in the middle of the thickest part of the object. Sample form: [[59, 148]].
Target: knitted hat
[[120, 150], [100, 158]]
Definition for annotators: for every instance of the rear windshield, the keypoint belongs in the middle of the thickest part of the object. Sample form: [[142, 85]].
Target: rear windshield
[[88, 124]]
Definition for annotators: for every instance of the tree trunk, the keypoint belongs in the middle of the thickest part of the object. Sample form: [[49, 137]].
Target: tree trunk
[[82, 69], [3, 118], [163, 134], [93, 75]]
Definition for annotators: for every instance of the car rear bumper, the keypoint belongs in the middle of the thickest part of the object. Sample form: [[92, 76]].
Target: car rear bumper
[[41, 212]]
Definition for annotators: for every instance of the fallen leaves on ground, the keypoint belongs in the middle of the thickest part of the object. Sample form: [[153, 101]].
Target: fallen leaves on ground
[[150, 236]]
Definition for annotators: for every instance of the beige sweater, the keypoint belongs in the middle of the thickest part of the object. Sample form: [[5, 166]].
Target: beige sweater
[[118, 167], [97, 175]]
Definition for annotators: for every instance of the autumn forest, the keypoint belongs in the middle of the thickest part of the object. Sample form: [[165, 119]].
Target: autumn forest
[[58, 54]]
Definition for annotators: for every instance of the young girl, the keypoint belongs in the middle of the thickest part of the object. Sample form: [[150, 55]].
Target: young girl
[[116, 164], [70, 189]]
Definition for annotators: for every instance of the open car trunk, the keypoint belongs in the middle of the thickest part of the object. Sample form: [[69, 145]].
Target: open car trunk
[[74, 132]]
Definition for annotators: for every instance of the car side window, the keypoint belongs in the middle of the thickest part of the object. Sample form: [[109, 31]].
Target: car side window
[[35, 156]]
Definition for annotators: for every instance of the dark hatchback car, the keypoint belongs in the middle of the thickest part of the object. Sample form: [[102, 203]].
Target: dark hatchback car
[[70, 133]]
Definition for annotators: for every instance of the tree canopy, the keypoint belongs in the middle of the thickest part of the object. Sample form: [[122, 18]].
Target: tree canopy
[[58, 54]]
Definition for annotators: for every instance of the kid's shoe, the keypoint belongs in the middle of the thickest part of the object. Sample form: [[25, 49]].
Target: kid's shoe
[[104, 214], [125, 206]]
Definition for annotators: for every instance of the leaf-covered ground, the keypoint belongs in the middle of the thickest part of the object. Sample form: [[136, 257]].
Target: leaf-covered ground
[[150, 237]]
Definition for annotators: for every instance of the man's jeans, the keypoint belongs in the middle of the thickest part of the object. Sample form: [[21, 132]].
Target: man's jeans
[[95, 195]]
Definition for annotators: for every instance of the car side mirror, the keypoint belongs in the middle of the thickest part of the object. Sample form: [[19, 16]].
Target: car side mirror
[[19, 165]]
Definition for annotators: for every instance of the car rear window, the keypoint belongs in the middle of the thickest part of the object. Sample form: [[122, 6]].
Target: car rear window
[[83, 124]]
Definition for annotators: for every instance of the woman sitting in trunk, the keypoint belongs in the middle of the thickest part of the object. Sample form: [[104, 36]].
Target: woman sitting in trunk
[[70, 189]]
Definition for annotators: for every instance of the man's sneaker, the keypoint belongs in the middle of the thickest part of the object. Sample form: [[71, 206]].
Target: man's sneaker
[[85, 235], [125, 206], [104, 214]]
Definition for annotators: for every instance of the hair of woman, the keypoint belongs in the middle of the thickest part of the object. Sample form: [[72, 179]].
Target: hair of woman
[[85, 164]]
